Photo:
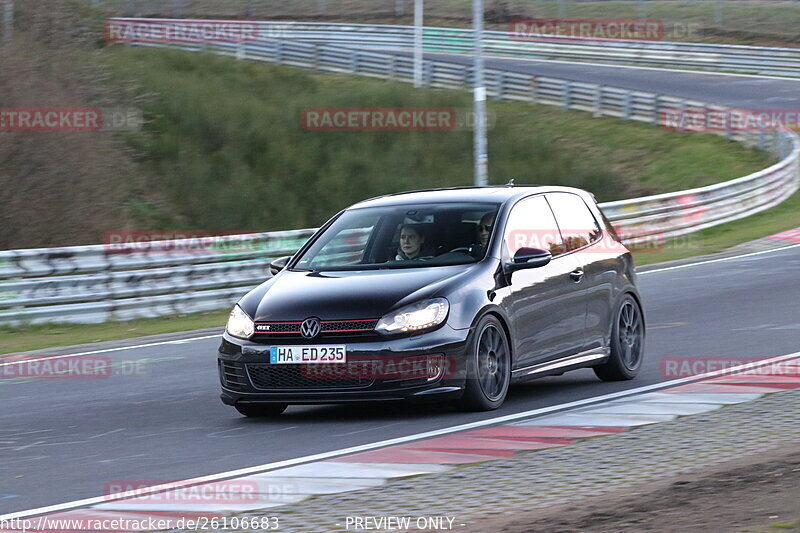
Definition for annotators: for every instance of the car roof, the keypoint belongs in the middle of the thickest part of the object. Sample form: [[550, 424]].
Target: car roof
[[493, 194]]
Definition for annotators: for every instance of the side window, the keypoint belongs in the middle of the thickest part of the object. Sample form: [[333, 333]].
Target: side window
[[531, 225], [576, 222]]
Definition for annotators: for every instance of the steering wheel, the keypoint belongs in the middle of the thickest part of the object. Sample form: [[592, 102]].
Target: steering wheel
[[465, 249]]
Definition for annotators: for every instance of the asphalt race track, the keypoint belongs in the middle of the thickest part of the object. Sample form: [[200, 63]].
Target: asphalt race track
[[732, 90], [65, 438]]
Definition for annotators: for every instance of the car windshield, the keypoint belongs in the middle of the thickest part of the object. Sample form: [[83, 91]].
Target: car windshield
[[404, 236]]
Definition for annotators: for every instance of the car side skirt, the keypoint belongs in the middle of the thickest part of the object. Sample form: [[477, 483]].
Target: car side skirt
[[559, 366]]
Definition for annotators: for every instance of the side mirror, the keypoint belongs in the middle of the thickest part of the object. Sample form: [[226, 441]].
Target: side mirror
[[278, 264], [529, 258]]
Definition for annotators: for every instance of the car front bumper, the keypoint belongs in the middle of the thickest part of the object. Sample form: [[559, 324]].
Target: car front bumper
[[426, 367]]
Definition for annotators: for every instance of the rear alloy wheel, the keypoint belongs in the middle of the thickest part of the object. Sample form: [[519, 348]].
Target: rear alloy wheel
[[488, 367], [627, 343], [263, 410]]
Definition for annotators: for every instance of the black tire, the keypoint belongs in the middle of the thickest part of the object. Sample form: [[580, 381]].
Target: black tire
[[627, 343], [263, 410], [488, 367]]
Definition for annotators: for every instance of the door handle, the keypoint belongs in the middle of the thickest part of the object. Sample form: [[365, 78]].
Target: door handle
[[576, 275]]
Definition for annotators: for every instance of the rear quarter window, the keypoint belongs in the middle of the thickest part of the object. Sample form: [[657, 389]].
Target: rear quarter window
[[578, 225]]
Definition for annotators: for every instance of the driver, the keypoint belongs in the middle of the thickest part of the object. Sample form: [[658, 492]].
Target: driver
[[485, 228], [412, 244]]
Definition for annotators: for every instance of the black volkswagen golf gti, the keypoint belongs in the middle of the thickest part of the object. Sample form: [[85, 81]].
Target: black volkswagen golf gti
[[442, 295]]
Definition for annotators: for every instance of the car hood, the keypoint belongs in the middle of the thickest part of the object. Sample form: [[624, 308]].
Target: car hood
[[344, 295]]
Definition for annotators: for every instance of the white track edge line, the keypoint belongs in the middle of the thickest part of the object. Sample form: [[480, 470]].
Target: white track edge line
[[399, 440], [719, 260], [107, 350]]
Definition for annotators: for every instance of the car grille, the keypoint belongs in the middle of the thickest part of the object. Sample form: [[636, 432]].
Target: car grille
[[269, 377], [232, 376], [328, 329]]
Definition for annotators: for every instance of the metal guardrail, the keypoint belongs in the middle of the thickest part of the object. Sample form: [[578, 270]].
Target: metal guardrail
[[135, 280], [700, 56], [107, 282]]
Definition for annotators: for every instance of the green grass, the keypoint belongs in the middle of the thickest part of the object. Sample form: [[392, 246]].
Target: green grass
[[785, 525], [223, 142], [26, 338]]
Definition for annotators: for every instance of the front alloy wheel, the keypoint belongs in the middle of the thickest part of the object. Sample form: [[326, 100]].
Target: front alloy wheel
[[488, 367]]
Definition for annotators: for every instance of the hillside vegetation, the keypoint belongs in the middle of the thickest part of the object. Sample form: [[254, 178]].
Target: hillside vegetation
[[224, 139]]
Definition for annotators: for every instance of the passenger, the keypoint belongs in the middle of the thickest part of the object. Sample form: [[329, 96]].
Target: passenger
[[412, 244], [482, 232]]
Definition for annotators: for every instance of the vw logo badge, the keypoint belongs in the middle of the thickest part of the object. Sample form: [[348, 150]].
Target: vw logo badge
[[310, 328]]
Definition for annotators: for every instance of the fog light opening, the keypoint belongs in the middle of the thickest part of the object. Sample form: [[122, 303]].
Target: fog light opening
[[435, 367]]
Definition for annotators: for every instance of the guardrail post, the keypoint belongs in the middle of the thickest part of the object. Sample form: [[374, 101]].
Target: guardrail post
[[626, 112], [278, 52], [500, 92], [534, 90], [354, 62], [598, 101], [393, 67], [428, 73], [241, 50], [567, 98], [656, 109], [316, 59], [761, 140]]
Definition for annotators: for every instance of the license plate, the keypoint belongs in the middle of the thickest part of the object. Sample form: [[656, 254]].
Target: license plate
[[286, 355]]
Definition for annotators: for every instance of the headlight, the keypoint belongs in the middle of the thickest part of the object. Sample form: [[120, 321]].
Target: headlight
[[239, 324], [415, 317]]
